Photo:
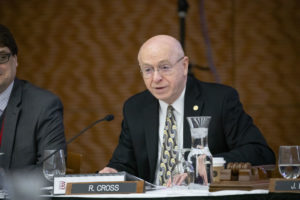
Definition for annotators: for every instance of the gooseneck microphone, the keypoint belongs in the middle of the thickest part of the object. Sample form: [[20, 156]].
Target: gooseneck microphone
[[106, 118]]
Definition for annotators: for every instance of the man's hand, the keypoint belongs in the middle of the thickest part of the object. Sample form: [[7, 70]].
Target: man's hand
[[178, 179], [202, 168], [107, 170]]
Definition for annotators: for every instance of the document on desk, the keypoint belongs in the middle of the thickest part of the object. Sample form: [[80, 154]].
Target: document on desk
[[148, 185]]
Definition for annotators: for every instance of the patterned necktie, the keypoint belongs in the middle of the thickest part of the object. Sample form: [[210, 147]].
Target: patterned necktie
[[168, 156]]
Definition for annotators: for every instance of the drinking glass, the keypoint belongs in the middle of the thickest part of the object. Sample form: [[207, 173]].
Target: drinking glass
[[54, 165], [183, 172], [289, 161]]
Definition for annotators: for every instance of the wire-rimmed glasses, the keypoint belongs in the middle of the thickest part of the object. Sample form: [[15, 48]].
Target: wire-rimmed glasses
[[163, 69]]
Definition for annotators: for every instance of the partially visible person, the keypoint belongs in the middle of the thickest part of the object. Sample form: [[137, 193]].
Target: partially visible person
[[144, 148], [31, 118]]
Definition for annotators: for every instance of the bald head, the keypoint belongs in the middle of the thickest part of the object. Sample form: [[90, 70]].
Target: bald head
[[161, 44], [164, 67]]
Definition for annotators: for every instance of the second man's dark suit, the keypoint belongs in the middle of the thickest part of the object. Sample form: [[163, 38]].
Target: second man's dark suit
[[232, 133], [33, 121]]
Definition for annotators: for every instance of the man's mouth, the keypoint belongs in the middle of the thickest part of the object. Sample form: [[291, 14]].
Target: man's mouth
[[159, 89]]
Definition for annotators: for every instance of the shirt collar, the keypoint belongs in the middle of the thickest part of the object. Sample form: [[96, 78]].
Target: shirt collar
[[4, 96]]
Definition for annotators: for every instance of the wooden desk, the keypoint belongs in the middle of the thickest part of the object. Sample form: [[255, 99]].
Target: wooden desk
[[191, 195]]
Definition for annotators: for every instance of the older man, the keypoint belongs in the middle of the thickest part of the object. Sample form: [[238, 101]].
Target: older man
[[164, 67]]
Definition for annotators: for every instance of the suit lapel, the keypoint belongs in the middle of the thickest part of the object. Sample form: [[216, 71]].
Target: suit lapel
[[10, 124], [193, 106], [151, 120]]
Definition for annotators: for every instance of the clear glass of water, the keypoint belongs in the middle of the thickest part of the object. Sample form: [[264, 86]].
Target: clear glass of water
[[183, 172], [289, 161], [54, 165]]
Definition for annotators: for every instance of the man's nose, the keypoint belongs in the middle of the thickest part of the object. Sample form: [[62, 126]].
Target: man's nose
[[156, 75]]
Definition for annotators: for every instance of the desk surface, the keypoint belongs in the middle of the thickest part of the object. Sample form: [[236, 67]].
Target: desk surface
[[176, 194], [170, 194]]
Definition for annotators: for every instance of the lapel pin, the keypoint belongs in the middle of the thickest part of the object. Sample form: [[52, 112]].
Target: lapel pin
[[195, 108]]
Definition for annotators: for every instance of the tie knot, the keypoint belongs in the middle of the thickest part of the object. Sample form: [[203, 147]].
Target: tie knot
[[170, 112], [170, 108]]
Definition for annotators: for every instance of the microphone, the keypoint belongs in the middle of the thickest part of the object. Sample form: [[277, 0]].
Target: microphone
[[182, 8], [106, 118]]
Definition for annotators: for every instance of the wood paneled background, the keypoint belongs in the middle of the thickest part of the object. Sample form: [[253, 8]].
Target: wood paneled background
[[85, 52]]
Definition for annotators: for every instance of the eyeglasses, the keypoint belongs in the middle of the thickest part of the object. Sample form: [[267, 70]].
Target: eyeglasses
[[4, 57], [163, 69]]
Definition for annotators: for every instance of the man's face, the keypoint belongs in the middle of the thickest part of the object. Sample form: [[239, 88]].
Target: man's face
[[164, 86], [7, 70]]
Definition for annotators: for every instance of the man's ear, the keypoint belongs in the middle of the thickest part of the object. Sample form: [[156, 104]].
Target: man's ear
[[186, 64], [15, 57]]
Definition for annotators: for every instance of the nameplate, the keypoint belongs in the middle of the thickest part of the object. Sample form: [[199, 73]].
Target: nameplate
[[284, 185], [119, 187], [60, 182]]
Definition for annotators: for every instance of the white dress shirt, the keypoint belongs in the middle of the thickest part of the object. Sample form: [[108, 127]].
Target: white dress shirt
[[178, 106]]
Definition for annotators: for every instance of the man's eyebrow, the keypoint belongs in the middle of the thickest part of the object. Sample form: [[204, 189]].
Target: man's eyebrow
[[159, 63], [146, 65], [4, 51], [164, 62]]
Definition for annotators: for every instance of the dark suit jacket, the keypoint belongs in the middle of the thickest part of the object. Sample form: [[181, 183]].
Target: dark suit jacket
[[231, 132], [33, 121]]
